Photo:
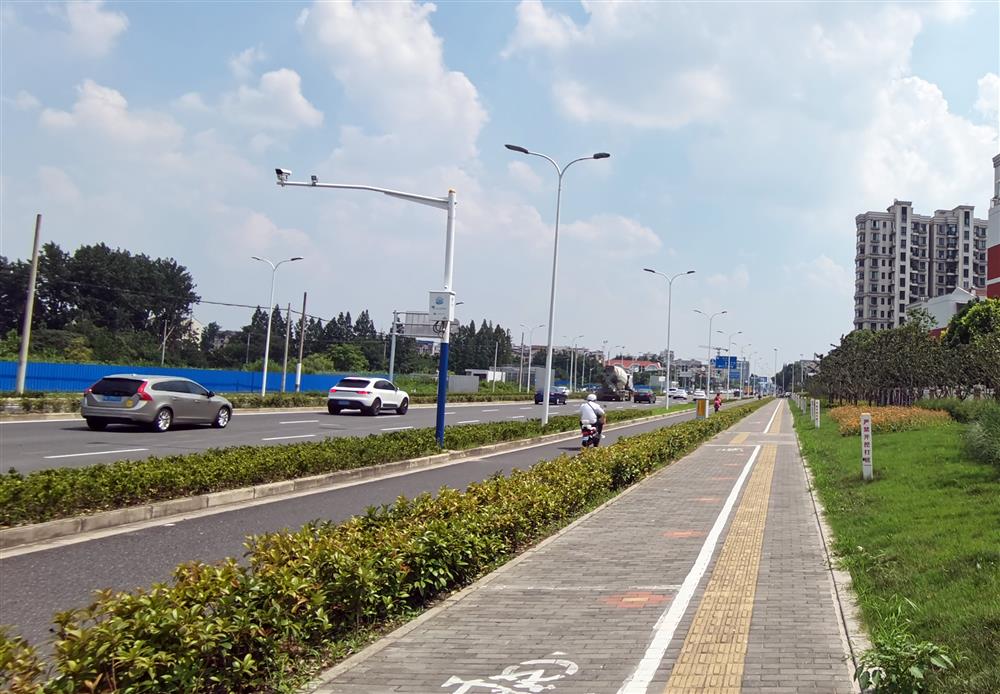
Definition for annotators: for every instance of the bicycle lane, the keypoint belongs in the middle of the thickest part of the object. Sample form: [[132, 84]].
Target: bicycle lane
[[708, 576]]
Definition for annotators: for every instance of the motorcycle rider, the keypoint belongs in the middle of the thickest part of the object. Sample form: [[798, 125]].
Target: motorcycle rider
[[592, 414]]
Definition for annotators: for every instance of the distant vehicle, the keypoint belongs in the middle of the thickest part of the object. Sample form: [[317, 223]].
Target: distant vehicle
[[556, 397], [736, 393], [615, 384], [370, 395], [157, 402], [677, 394], [699, 393], [643, 394]]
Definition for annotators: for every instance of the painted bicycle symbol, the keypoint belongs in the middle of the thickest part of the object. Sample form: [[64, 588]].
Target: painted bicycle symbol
[[527, 676]]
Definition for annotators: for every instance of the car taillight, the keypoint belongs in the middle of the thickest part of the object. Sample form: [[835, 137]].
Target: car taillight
[[333, 390], [364, 392], [141, 392], [88, 391]]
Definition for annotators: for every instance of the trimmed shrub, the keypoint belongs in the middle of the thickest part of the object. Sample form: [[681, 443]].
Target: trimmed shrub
[[235, 627]]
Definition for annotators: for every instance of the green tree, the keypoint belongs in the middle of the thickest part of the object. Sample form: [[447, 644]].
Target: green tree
[[976, 318], [347, 358]]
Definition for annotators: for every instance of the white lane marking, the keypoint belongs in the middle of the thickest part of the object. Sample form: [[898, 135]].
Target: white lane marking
[[279, 438], [469, 421], [77, 455], [396, 428], [518, 416], [300, 421], [446, 412], [526, 408], [663, 632], [768, 427], [491, 410]]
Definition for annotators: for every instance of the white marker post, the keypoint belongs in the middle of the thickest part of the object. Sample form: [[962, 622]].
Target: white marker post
[[866, 446], [816, 412]]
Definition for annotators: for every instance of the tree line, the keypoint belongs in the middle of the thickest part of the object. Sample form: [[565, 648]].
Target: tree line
[[900, 365], [103, 304]]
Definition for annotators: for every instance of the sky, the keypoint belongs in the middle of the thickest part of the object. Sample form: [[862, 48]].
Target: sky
[[744, 138]]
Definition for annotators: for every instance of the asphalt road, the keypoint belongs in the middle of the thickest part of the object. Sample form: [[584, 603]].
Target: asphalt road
[[37, 583], [39, 445]]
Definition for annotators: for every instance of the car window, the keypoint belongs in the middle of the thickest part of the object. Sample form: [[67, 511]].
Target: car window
[[116, 386], [383, 385], [353, 383], [196, 388], [171, 386]]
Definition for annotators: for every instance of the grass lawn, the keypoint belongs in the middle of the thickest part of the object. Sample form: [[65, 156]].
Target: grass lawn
[[926, 530]]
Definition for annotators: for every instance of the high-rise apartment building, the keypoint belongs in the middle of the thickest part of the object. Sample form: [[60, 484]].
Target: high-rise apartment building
[[993, 239], [903, 258]]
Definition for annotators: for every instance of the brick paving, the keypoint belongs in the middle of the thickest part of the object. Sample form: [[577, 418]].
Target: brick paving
[[709, 576]]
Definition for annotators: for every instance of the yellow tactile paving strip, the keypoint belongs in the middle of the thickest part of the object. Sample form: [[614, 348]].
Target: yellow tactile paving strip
[[712, 656], [776, 424], [740, 438]]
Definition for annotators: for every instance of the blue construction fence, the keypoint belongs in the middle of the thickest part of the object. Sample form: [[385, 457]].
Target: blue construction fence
[[58, 377]]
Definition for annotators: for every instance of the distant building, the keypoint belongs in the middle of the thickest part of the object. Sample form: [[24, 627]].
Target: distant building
[[903, 258], [635, 365], [993, 238]]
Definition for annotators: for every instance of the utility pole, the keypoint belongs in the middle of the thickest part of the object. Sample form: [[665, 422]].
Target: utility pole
[[29, 305], [496, 352], [392, 345], [288, 334], [302, 338]]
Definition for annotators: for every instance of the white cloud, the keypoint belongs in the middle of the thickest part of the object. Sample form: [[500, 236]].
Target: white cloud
[[825, 275], [988, 102], [390, 62], [524, 175], [737, 279], [276, 103], [950, 10], [57, 185], [916, 149], [25, 101], [105, 111], [93, 31], [191, 102], [242, 64], [539, 28], [615, 234]]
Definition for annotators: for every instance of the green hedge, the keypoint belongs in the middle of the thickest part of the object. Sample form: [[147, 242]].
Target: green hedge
[[64, 492], [234, 627]]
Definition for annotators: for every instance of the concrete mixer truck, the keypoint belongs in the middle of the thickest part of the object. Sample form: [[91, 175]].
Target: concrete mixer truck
[[615, 384]]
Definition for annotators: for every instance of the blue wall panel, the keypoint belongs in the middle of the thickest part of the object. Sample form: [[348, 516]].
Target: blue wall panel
[[51, 377]]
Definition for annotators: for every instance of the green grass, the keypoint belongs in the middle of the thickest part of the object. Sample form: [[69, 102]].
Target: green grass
[[926, 530]]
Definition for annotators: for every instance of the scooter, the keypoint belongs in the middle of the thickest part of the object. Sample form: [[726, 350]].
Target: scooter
[[590, 435]]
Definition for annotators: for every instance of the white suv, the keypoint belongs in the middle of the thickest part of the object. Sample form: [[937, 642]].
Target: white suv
[[370, 395]]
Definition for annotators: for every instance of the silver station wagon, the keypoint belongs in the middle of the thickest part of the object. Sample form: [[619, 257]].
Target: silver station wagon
[[156, 402]]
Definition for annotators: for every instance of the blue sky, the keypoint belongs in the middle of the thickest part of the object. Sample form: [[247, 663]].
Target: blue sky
[[745, 137]]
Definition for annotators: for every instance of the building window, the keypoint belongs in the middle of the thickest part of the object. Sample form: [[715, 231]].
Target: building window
[[874, 224], [966, 218], [902, 296]]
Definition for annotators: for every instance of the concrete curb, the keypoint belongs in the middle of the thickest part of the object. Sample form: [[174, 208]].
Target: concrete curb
[[63, 527]]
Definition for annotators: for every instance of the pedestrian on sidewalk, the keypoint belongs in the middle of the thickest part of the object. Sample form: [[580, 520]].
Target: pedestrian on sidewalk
[[717, 402]]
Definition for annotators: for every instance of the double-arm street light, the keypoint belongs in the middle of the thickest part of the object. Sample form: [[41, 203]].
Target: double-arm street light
[[572, 362], [708, 370], [448, 204], [527, 369], [670, 285], [555, 264], [270, 311]]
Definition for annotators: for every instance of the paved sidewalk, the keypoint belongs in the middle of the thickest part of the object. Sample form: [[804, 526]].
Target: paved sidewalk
[[710, 576]]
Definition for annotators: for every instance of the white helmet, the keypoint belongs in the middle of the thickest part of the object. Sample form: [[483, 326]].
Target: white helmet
[[591, 397]]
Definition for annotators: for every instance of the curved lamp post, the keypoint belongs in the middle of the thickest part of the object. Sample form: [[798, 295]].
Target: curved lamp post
[[270, 311], [708, 370], [555, 263]]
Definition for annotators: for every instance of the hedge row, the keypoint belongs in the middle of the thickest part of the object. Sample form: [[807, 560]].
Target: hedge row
[[233, 627], [64, 492]]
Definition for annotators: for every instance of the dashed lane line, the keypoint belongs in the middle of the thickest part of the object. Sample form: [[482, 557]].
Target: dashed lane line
[[469, 421], [396, 428], [300, 421], [77, 455], [280, 438]]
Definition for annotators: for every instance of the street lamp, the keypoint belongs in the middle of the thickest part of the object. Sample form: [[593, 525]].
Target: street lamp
[[448, 204], [527, 369], [555, 260], [729, 353], [670, 285], [572, 361], [270, 311], [708, 370], [775, 377]]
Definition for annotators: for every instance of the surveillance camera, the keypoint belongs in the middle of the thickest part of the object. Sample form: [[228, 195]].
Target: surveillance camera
[[314, 179], [282, 174]]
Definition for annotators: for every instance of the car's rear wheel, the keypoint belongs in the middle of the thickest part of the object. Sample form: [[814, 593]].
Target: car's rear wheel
[[403, 406], [164, 418], [332, 409], [222, 417], [375, 408], [95, 424]]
